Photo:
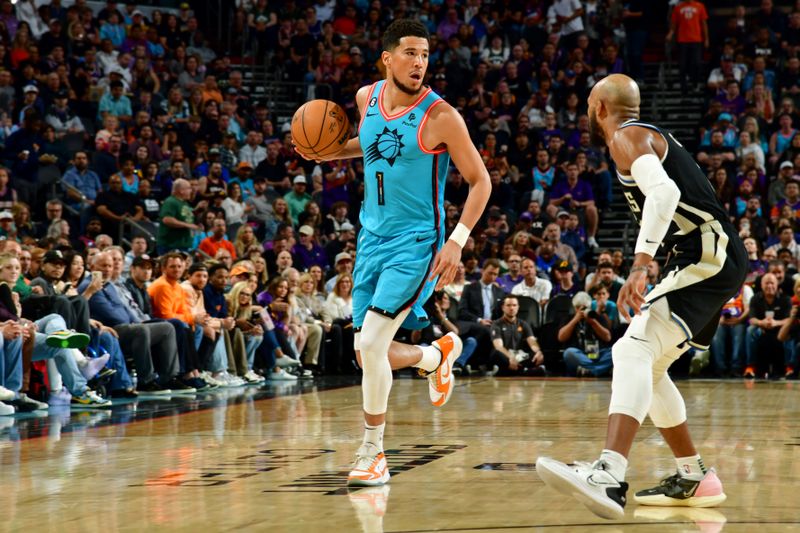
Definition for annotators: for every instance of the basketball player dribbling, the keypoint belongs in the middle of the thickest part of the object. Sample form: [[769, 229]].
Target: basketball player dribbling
[[676, 206], [407, 135]]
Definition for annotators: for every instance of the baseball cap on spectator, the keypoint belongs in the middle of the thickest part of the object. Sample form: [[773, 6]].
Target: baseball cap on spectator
[[53, 256], [786, 164], [440, 76], [143, 260], [137, 12], [727, 58], [6, 215], [261, 19], [342, 256], [244, 165], [300, 179], [184, 5], [347, 227], [287, 127], [233, 90], [562, 213], [214, 151], [493, 114], [569, 73], [62, 93], [526, 217], [355, 50], [725, 116], [306, 230], [494, 212], [239, 270], [563, 265], [30, 89]]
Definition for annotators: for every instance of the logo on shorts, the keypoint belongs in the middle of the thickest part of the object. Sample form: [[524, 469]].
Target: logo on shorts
[[387, 145]]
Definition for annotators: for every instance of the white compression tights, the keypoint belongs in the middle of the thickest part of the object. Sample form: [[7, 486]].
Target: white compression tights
[[373, 342], [641, 358]]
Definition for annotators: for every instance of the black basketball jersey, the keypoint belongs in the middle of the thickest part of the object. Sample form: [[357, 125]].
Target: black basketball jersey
[[698, 203]]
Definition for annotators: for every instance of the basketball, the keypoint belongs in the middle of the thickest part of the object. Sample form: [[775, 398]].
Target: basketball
[[320, 128]]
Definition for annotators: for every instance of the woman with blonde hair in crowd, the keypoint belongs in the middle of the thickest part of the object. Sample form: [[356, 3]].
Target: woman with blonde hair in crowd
[[245, 238], [261, 276], [521, 241], [275, 301], [251, 334], [340, 308]]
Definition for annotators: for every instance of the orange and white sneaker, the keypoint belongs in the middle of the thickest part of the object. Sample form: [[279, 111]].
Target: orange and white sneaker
[[441, 381], [370, 468]]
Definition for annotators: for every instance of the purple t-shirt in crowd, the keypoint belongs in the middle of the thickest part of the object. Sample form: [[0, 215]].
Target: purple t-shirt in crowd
[[582, 192]]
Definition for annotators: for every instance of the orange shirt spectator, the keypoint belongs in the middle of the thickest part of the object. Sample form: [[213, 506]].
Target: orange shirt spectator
[[168, 297], [688, 19], [217, 240]]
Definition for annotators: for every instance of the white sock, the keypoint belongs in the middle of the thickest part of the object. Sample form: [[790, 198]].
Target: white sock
[[54, 376], [374, 435], [691, 467], [80, 359], [617, 464], [431, 358]]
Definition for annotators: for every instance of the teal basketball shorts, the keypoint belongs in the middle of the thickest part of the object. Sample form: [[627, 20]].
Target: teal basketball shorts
[[391, 275]]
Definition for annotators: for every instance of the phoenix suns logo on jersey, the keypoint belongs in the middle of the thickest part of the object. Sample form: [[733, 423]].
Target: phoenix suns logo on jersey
[[387, 145]]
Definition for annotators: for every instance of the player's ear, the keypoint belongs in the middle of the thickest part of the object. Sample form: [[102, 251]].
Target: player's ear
[[386, 58]]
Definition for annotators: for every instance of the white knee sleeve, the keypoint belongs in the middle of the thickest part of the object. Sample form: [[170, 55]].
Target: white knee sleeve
[[632, 384], [651, 344], [668, 409], [373, 341]]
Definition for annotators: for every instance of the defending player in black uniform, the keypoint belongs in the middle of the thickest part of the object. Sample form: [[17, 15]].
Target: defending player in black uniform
[[676, 207]]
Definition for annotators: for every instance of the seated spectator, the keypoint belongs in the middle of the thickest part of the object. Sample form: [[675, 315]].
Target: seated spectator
[[115, 103], [606, 275], [516, 350], [343, 265], [552, 236], [768, 312], [791, 198], [533, 286], [217, 240], [297, 198], [732, 325], [307, 252], [115, 204], [564, 281], [480, 302], [786, 239], [514, 275], [587, 335]]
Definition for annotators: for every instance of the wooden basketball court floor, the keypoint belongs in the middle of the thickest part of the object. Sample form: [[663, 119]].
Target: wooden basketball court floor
[[275, 459]]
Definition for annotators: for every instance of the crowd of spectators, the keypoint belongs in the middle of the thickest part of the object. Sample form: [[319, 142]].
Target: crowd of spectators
[[138, 158]]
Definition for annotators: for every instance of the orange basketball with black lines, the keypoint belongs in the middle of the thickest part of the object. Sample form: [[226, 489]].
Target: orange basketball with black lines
[[320, 128]]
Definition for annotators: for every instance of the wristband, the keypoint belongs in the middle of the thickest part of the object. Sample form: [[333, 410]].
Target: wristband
[[460, 235], [640, 268]]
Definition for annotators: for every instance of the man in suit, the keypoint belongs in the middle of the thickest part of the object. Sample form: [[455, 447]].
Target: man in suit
[[481, 302]]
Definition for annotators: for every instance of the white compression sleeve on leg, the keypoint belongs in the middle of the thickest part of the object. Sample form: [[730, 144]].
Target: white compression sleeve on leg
[[374, 340], [668, 408], [651, 336], [661, 199]]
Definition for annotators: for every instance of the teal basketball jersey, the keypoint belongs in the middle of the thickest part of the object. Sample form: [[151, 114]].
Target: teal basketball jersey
[[403, 180]]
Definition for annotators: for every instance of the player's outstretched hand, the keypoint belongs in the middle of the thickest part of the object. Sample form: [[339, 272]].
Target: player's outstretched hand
[[632, 293], [304, 156], [446, 264]]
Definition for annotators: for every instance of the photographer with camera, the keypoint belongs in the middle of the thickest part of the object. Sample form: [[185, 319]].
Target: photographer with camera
[[516, 350], [587, 335]]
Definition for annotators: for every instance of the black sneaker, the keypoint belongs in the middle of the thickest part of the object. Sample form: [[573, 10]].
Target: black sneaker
[[23, 404], [179, 386], [124, 393], [677, 491], [153, 388]]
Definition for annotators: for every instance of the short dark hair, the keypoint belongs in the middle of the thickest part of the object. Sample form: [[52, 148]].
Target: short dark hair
[[491, 262], [212, 269], [197, 267], [403, 28], [510, 297], [605, 264], [116, 84]]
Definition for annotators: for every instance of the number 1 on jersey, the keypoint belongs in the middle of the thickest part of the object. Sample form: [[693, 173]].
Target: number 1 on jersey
[[379, 178]]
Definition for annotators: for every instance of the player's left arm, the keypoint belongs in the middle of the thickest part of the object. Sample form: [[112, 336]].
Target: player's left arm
[[635, 149], [446, 127]]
